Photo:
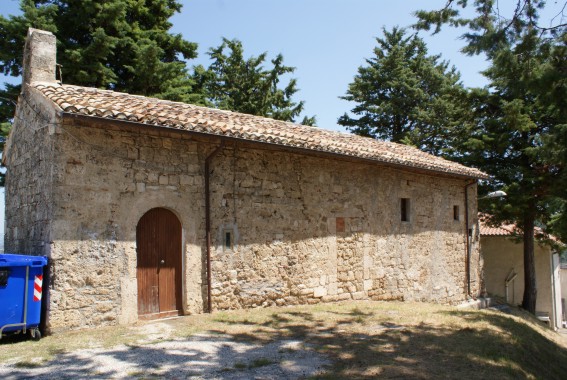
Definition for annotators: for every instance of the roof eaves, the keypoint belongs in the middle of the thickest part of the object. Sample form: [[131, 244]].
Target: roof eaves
[[109, 105], [298, 149]]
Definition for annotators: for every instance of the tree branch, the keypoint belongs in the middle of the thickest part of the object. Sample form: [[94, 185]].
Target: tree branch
[[561, 13]]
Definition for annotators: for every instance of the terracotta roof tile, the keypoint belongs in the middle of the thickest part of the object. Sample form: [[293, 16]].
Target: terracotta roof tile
[[504, 230], [162, 113], [509, 230]]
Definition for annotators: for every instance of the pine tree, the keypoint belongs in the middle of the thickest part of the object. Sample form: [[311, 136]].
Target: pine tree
[[405, 95], [122, 45], [234, 83], [115, 44], [520, 129]]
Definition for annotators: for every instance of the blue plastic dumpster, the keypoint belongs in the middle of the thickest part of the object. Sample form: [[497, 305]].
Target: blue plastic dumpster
[[21, 291]]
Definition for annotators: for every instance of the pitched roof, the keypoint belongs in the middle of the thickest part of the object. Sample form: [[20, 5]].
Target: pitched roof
[[509, 230], [187, 117], [502, 230]]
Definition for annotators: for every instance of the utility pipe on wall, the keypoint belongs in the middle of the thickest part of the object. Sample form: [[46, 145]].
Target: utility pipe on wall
[[208, 220], [557, 320], [468, 245], [511, 276]]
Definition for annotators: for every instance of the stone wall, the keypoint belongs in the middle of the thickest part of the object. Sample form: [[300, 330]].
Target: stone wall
[[311, 229], [303, 228], [105, 182], [29, 177]]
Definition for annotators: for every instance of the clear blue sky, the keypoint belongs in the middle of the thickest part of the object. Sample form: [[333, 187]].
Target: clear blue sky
[[326, 40]]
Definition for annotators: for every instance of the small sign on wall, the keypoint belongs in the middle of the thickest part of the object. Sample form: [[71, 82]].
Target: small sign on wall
[[340, 224]]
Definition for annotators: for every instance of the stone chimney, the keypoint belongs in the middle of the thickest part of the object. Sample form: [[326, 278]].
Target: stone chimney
[[39, 57]]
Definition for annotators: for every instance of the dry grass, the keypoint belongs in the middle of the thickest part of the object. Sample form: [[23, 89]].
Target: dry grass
[[363, 339]]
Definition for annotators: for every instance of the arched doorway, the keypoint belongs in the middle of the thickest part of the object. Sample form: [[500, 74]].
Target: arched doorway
[[158, 242]]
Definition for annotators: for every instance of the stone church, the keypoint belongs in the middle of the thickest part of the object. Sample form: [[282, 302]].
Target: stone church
[[149, 208]]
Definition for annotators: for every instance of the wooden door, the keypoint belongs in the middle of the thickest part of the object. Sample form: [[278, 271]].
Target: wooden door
[[158, 241]]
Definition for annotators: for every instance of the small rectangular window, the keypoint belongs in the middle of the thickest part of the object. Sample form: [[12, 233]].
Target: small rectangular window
[[404, 209], [227, 239], [456, 215]]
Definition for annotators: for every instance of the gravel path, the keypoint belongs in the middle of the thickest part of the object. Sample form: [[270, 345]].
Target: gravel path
[[202, 356]]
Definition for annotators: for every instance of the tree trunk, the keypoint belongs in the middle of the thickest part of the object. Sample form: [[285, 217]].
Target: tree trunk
[[530, 290]]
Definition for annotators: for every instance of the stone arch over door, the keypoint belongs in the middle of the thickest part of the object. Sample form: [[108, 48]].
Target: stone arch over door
[[159, 264]]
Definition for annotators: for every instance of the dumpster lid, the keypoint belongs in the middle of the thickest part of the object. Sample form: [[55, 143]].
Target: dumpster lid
[[12, 260]]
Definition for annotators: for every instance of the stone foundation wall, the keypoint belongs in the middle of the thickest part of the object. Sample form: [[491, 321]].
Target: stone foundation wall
[[303, 229]]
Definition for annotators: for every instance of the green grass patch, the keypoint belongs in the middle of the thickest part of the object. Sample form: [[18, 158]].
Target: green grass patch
[[28, 364], [240, 365], [261, 362]]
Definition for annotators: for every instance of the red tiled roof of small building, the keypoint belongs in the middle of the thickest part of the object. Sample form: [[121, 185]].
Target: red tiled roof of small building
[[182, 116], [510, 230], [502, 230]]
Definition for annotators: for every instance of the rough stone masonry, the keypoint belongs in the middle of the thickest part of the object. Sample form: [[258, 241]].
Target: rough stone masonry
[[287, 227]]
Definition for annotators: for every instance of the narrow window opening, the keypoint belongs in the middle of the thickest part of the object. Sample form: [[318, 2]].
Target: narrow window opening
[[404, 209], [228, 239], [456, 214]]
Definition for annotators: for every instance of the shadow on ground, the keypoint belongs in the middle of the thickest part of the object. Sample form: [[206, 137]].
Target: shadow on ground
[[488, 345], [205, 356], [327, 345]]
